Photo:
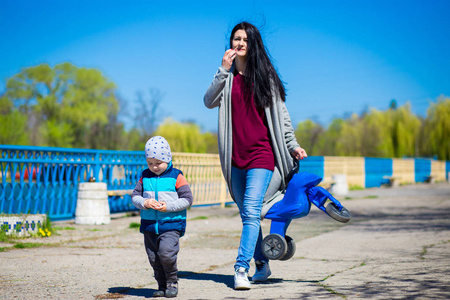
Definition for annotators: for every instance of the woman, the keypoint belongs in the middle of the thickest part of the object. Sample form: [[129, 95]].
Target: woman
[[256, 139]]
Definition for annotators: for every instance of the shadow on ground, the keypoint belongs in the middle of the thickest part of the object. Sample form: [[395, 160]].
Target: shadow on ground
[[143, 292], [427, 219], [227, 280]]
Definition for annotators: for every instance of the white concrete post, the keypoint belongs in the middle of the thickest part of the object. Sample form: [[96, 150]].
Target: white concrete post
[[340, 185], [92, 204]]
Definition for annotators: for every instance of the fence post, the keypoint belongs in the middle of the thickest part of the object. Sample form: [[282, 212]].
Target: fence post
[[340, 185], [92, 204]]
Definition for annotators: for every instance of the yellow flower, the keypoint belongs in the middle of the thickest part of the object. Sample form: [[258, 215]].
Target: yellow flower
[[44, 232]]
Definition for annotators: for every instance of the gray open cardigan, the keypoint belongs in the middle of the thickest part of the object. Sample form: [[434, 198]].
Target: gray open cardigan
[[279, 125]]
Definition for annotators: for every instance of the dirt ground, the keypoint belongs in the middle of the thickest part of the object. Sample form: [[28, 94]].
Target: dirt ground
[[395, 247]]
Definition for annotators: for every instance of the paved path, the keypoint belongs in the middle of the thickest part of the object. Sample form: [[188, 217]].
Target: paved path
[[397, 246]]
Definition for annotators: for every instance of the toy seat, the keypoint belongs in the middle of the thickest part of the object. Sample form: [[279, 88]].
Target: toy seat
[[301, 191]]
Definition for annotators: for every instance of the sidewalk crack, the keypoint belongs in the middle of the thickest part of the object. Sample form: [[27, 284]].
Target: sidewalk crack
[[426, 247], [328, 288]]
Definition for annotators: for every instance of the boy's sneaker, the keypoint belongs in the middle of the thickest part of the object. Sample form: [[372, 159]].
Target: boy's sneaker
[[172, 290], [262, 271], [160, 291], [241, 280]]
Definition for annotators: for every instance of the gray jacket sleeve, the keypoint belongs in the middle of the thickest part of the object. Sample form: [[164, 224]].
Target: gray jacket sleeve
[[214, 94], [184, 200], [136, 196], [289, 134]]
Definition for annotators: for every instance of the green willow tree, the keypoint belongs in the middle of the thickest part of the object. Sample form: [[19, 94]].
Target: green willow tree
[[310, 136], [11, 120], [390, 133], [436, 130], [350, 140], [376, 140], [331, 137], [185, 137], [65, 106], [211, 142], [135, 140], [405, 129]]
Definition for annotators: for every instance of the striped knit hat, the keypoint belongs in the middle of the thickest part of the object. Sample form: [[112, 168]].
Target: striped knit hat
[[157, 147]]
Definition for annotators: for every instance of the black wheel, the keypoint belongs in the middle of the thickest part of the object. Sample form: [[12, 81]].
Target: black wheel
[[290, 248], [342, 215], [274, 246]]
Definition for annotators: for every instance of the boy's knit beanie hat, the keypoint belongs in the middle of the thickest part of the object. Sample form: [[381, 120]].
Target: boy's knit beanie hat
[[157, 147]]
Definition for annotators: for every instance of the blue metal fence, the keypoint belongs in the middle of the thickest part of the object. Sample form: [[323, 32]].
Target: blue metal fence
[[447, 170], [377, 170], [422, 169], [45, 180], [313, 164]]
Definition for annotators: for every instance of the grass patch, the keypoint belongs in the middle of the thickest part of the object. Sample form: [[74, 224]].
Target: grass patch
[[134, 225], [371, 197], [65, 228], [94, 229], [199, 218], [5, 238], [356, 188], [132, 214], [27, 245]]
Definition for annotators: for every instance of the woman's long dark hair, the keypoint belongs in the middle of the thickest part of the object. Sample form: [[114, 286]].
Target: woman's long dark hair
[[259, 71]]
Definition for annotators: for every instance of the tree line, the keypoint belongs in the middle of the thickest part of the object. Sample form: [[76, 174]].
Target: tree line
[[68, 106], [395, 132]]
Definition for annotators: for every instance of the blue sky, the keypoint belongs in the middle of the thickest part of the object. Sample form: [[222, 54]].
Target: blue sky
[[336, 57]]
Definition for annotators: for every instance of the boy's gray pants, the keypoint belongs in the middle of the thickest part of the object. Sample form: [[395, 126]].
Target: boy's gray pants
[[162, 250]]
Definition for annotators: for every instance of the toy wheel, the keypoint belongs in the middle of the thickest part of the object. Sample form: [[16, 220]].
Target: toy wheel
[[274, 246], [342, 215], [290, 248]]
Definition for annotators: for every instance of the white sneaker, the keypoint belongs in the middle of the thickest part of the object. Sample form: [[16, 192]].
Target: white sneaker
[[262, 271], [241, 280]]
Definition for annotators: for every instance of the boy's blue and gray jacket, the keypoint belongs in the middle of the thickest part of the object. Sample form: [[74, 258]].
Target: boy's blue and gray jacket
[[170, 187]]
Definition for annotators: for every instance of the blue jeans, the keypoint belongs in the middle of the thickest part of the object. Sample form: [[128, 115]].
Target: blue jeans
[[249, 187]]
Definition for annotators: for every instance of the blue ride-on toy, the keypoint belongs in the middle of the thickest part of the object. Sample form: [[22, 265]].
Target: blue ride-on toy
[[301, 191]]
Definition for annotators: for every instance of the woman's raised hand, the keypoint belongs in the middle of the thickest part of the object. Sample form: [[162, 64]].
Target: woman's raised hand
[[228, 58]]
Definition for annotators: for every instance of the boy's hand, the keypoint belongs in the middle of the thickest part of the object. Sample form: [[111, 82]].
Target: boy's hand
[[152, 203], [162, 207]]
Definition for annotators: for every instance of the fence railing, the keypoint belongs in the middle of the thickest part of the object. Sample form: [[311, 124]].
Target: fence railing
[[45, 180]]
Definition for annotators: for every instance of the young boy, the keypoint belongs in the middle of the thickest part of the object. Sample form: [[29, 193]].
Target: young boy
[[163, 195]]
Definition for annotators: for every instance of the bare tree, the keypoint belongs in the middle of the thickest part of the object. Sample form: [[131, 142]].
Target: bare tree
[[148, 112]]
